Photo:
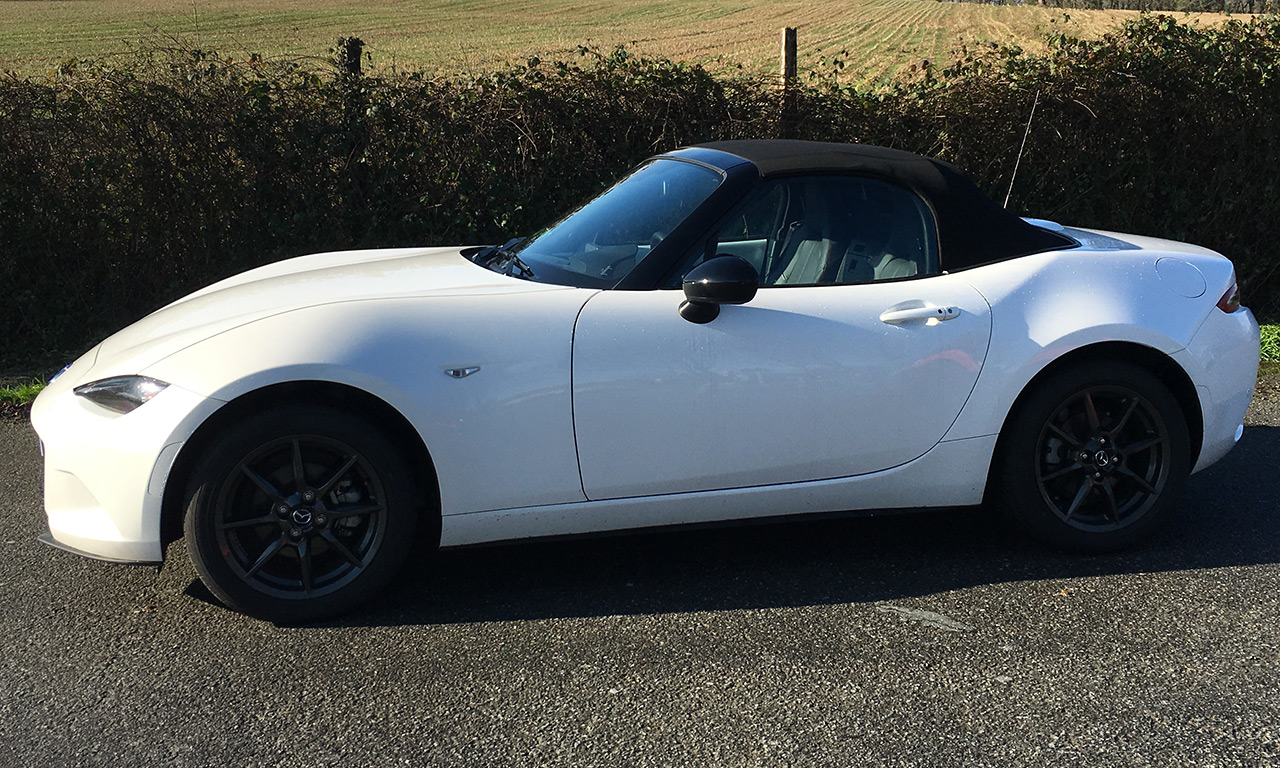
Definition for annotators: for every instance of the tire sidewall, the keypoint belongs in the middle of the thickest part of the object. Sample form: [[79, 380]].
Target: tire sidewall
[[1020, 494], [216, 466]]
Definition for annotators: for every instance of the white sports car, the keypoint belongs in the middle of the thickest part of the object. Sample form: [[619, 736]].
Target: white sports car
[[734, 330]]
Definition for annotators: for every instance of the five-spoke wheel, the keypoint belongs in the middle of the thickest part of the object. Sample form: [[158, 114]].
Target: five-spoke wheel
[[299, 514]]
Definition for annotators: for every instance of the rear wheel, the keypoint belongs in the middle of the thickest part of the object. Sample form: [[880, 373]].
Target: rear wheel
[[299, 514], [1096, 458]]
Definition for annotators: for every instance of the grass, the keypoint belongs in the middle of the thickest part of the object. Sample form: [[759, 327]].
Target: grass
[[19, 392], [1270, 344], [873, 38]]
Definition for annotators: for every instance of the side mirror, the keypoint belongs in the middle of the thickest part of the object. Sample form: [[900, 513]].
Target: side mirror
[[721, 280]]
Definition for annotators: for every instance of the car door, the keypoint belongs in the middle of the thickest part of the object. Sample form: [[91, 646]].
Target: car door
[[810, 380]]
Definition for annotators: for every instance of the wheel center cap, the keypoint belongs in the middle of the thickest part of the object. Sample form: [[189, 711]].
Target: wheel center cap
[[1101, 459], [302, 516]]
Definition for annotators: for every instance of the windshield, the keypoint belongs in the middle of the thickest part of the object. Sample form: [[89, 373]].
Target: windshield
[[599, 243]]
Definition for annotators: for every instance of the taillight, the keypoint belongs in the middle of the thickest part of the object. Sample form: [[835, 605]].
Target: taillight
[[1230, 300]]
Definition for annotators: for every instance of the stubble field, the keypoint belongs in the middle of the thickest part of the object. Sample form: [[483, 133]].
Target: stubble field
[[881, 37]]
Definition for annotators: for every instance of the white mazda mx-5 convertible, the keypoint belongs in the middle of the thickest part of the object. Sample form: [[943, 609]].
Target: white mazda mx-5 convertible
[[733, 330]]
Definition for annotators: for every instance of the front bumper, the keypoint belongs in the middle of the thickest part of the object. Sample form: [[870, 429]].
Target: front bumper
[[47, 539], [105, 473]]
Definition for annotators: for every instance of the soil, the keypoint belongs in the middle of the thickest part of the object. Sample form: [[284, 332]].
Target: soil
[[11, 411]]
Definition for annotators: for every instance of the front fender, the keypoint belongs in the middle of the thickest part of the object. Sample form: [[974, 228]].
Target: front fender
[[511, 418]]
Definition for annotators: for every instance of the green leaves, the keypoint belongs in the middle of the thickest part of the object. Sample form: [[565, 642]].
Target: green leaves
[[124, 184]]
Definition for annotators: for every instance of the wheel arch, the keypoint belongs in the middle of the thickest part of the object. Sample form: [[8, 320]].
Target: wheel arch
[[378, 412], [1153, 360]]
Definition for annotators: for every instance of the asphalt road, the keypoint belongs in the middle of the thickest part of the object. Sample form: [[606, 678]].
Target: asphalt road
[[929, 639]]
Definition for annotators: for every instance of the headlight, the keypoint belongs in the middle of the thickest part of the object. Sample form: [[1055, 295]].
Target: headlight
[[122, 393]]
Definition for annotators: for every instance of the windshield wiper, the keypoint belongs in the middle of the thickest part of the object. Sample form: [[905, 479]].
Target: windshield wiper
[[504, 259], [519, 264]]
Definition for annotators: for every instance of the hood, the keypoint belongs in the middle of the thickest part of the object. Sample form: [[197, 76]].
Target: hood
[[306, 281]]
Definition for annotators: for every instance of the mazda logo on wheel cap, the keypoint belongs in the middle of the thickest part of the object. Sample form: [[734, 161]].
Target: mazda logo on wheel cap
[[1101, 459], [302, 516]]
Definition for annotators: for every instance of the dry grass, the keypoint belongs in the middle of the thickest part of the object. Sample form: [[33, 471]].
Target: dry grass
[[882, 36]]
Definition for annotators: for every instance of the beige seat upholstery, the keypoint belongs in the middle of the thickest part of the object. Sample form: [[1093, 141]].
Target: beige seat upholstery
[[809, 263], [855, 269], [891, 266], [886, 266]]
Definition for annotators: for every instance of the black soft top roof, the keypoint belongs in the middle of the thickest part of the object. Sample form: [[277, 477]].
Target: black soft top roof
[[972, 229]]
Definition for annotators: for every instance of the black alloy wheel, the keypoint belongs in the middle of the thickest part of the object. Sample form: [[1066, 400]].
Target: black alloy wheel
[[299, 514], [1103, 458], [1096, 457], [304, 516]]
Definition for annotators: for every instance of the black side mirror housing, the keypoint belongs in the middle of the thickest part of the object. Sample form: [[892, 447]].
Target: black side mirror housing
[[721, 280]]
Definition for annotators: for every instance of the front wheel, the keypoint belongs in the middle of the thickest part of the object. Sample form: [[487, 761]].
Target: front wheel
[[299, 513], [1095, 458]]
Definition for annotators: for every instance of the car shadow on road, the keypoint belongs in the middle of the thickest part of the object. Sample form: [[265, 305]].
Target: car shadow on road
[[1228, 519]]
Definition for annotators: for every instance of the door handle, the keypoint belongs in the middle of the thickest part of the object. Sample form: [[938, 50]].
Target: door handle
[[931, 315]]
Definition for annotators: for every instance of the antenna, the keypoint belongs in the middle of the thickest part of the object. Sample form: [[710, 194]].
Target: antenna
[[1020, 149]]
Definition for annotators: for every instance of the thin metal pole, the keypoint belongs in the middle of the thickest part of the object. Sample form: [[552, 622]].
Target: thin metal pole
[[1018, 162]]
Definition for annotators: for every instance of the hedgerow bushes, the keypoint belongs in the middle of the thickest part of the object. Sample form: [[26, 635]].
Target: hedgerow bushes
[[125, 185]]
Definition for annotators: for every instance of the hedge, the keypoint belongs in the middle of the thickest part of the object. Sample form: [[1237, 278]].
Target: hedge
[[127, 183]]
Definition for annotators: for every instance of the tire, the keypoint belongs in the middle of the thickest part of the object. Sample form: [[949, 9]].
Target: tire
[[277, 547], [1095, 458]]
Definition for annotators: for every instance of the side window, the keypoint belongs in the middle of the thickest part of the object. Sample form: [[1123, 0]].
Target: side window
[[828, 230], [753, 228]]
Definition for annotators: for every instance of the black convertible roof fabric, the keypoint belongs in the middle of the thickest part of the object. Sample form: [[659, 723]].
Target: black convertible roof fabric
[[972, 229]]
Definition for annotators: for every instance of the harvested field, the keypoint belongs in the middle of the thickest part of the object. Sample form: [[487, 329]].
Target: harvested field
[[882, 37]]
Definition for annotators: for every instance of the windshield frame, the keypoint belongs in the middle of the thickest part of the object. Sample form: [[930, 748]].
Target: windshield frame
[[656, 260]]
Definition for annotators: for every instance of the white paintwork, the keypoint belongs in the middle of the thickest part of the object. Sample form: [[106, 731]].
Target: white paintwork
[[1052, 226], [98, 466], [802, 383], [1222, 358], [849, 411], [954, 470], [308, 281], [1047, 305], [1181, 277], [512, 420], [502, 437]]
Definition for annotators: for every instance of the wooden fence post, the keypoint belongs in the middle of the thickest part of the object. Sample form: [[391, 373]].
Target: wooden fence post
[[347, 55], [787, 114], [788, 56]]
